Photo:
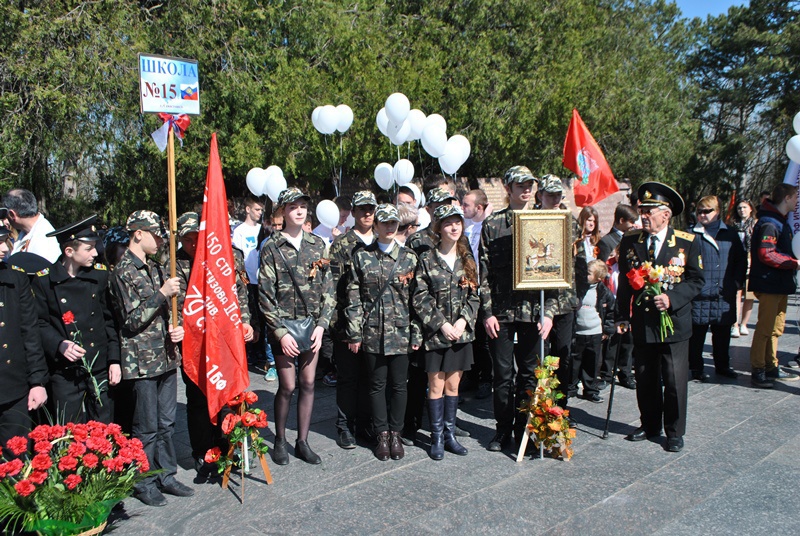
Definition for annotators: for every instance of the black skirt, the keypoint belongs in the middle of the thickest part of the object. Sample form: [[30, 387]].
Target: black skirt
[[452, 359]]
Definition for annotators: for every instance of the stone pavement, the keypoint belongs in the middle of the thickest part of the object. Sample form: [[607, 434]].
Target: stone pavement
[[737, 474]]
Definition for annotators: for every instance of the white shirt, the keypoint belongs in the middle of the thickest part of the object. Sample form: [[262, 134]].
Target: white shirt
[[326, 233], [245, 237], [662, 236], [386, 248], [36, 241]]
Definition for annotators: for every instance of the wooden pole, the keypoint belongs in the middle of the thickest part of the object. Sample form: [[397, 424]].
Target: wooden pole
[[173, 218]]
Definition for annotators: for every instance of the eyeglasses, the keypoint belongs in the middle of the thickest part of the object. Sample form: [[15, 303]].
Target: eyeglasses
[[705, 210], [648, 210], [406, 226]]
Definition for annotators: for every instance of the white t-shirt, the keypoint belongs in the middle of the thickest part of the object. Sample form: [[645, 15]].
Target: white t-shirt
[[37, 242], [326, 233], [245, 237]]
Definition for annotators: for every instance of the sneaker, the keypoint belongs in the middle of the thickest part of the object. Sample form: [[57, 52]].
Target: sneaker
[[735, 331], [778, 374], [742, 331], [329, 379], [272, 375]]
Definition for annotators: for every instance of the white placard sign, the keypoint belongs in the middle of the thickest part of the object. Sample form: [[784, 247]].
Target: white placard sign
[[169, 85]]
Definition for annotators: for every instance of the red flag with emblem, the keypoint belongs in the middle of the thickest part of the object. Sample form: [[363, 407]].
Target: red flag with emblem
[[214, 355], [583, 157]]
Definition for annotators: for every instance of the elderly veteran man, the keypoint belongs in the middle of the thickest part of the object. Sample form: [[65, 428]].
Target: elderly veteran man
[[659, 350]]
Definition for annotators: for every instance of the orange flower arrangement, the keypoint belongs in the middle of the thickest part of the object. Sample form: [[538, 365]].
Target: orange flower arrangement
[[548, 423], [239, 426]]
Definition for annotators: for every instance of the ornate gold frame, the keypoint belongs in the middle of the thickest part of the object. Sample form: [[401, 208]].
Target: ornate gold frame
[[542, 249]]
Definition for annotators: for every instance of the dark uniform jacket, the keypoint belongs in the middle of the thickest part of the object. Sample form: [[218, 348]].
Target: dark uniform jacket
[[86, 295], [773, 267], [680, 249], [382, 324], [279, 299], [341, 256], [423, 240], [22, 361], [142, 312], [498, 297], [607, 244], [444, 295]]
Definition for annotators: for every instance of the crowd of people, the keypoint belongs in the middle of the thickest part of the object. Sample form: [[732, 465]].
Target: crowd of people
[[399, 307]]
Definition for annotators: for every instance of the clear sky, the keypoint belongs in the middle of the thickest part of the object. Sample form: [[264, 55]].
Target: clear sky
[[703, 8]]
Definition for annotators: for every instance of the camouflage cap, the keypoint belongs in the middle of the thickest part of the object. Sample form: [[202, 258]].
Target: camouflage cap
[[518, 174], [290, 195], [364, 197], [550, 184], [445, 211], [440, 195], [188, 222], [146, 220], [116, 235], [386, 212]]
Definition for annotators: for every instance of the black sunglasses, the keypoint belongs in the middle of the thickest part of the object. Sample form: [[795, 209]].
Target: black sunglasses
[[406, 226], [705, 210]]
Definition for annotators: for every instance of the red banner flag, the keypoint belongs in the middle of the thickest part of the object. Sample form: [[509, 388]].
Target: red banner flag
[[583, 156], [214, 356]]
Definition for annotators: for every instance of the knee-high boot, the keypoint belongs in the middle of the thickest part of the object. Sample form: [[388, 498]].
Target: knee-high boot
[[450, 441], [436, 416]]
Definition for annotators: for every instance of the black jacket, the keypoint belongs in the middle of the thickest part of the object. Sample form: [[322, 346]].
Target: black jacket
[[22, 362]]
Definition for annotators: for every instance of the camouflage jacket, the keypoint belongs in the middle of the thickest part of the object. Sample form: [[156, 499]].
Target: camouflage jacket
[[341, 256], [498, 297], [422, 240], [183, 270], [142, 318], [277, 296], [444, 295], [386, 327]]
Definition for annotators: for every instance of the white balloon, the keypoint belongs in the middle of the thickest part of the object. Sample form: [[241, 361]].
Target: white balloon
[[423, 219], [276, 183], [449, 163], [383, 175], [460, 143], [793, 148], [434, 140], [351, 221], [397, 107], [416, 118], [796, 245], [256, 178], [328, 119], [382, 120], [399, 133], [315, 117], [417, 194], [796, 123], [436, 119], [328, 213], [345, 118], [403, 172]]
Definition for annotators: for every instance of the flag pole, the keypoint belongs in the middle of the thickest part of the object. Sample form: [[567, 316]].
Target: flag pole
[[173, 224]]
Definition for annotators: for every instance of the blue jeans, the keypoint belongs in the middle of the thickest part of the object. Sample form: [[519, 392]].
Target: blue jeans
[[155, 404]]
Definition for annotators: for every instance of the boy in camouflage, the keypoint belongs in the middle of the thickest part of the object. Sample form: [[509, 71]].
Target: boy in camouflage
[[149, 352]]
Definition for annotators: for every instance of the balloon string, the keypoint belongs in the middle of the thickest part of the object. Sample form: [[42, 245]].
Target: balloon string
[[421, 162], [341, 163], [333, 160]]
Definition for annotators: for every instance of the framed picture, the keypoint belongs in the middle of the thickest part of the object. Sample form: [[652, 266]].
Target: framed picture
[[542, 249]]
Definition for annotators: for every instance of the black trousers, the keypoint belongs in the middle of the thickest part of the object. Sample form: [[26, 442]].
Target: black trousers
[[352, 394], [417, 392], [256, 355], [481, 371], [14, 421], [202, 434], [326, 363], [73, 396], [586, 358], [720, 343], [625, 364], [510, 388], [656, 363], [387, 390], [155, 404], [561, 338]]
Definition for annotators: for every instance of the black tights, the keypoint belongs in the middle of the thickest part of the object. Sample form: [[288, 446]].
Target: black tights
[[307, 361]]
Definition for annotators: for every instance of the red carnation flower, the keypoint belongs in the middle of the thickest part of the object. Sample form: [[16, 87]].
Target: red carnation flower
[[17, 445], [229, 423], [13, 467], [40, 433], [249, 419], [213, 455], [24, 487], [80, 432], [90, 460], [136, 443], [76, 449], [42, 447], [250, 397], [41, 462], [72, 481], [38, 477], [67, 463], [68, 318]]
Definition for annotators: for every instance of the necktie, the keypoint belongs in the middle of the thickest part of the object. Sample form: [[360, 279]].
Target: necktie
[[651, 251]]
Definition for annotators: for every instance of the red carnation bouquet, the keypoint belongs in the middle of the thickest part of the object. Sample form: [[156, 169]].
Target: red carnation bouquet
[[654, 279], [71, 479], [241, 427]]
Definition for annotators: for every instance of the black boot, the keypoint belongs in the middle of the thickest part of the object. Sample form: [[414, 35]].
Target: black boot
[[304, 452], [280, 452], [759, 379], [436, 416], [382, 450], [450, 441]]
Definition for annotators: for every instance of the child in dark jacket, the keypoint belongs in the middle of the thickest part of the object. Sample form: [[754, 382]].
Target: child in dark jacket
[[594, 322]]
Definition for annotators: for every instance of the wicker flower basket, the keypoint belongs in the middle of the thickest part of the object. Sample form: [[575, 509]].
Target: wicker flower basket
[[91, 532]]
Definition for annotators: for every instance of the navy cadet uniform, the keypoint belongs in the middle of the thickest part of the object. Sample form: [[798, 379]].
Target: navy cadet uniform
[[22, 361], [73, 395], [658, 360]]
